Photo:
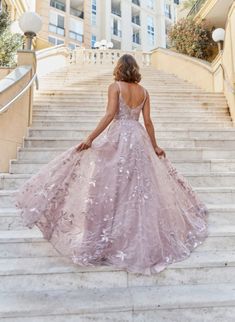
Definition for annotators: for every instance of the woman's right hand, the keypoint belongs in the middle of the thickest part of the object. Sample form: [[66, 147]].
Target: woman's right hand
[[160, 152], [86, 144]]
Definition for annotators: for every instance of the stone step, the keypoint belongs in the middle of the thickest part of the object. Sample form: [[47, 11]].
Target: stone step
[[27, 247], [95, 79], [35, 235], [205, 167], [179, 143], [211, 195], [99, 109], [54, 273], [78, 79], [96, 75], [10, 219], [97, 92], [24, 243], [56, 121], [216, 195], [77, 83], [101, 95], [141, 303], [51, 129], [51, 119], [163, 315], [159, 124], [173, 153], [103, 100], [155, 96], [76, 87], [154, 113], [219, 179]]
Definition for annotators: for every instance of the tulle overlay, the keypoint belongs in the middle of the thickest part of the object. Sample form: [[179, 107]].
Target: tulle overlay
[[116, 203]]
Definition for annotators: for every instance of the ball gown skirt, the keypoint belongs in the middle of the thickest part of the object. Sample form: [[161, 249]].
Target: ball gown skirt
[[116, 203]]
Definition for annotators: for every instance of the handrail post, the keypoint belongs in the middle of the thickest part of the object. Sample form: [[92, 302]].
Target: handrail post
[[28, 57]]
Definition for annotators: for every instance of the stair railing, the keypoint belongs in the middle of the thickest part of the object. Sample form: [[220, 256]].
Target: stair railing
[[30, 83], [16, 96]]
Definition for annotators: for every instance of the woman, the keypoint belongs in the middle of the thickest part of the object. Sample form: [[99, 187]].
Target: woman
[[116, 199]]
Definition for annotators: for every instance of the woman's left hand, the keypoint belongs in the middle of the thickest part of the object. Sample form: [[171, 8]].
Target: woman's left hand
[[160, 152], [84, 145]]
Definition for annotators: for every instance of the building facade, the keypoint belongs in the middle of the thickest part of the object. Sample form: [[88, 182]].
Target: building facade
[[128, 24], [17, 7]]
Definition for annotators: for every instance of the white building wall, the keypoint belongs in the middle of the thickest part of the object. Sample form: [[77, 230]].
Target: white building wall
[[126, 27], [105, 18]]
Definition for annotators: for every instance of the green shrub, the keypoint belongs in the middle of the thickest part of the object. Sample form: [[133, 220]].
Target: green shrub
[[9, 43], [192, 38]]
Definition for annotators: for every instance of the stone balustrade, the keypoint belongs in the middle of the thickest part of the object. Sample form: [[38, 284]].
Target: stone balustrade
[[106, 57]]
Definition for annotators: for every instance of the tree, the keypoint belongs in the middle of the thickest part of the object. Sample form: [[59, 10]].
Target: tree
[[192, 38], [9, 43]]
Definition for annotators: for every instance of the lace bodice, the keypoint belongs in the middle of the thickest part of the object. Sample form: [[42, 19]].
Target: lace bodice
[[126, 112]]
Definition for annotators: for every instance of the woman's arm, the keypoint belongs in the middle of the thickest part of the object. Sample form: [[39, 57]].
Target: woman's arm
[[111, 109], [150, 128]]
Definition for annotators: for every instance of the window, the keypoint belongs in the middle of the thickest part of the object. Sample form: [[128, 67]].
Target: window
[[116, 29], [136, 19], [72, 46], [77, 13], [116, 8], [60, 42], [137, 2], [168, 10], [150, 29], [76, 29], [52, 40], [150, 3], [76, 36], [55, 41], [56, 23], [60, 21], [57, 4], [136, 37], [93, 41], [93, 12]]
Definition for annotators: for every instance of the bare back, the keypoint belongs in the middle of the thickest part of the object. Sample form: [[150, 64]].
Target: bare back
[[133, 94]]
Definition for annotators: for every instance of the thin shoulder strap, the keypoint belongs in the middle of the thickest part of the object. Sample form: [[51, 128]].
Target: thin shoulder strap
[[145, 94]]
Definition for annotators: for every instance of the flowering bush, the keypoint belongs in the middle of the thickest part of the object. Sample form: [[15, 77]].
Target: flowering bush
[[192, 38]]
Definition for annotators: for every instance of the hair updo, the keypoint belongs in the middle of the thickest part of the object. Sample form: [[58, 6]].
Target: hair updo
[[127, 69]]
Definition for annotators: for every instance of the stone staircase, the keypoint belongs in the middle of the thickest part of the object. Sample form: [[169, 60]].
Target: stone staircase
[[195, 129]]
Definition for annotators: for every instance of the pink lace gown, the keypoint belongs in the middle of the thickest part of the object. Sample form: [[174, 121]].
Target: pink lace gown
[[116, 203]]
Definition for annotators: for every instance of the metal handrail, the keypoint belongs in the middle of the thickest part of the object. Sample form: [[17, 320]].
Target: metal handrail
[[7, 105], [226, 79]]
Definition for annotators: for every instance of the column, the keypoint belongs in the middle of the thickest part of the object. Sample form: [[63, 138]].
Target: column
[[87, 23], [160, 24], [43, 9], [66, 21], [126, 25]]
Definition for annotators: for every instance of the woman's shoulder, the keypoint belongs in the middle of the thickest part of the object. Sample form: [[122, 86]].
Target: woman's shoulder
[[144, 89], [113, 88], [114, 85]]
